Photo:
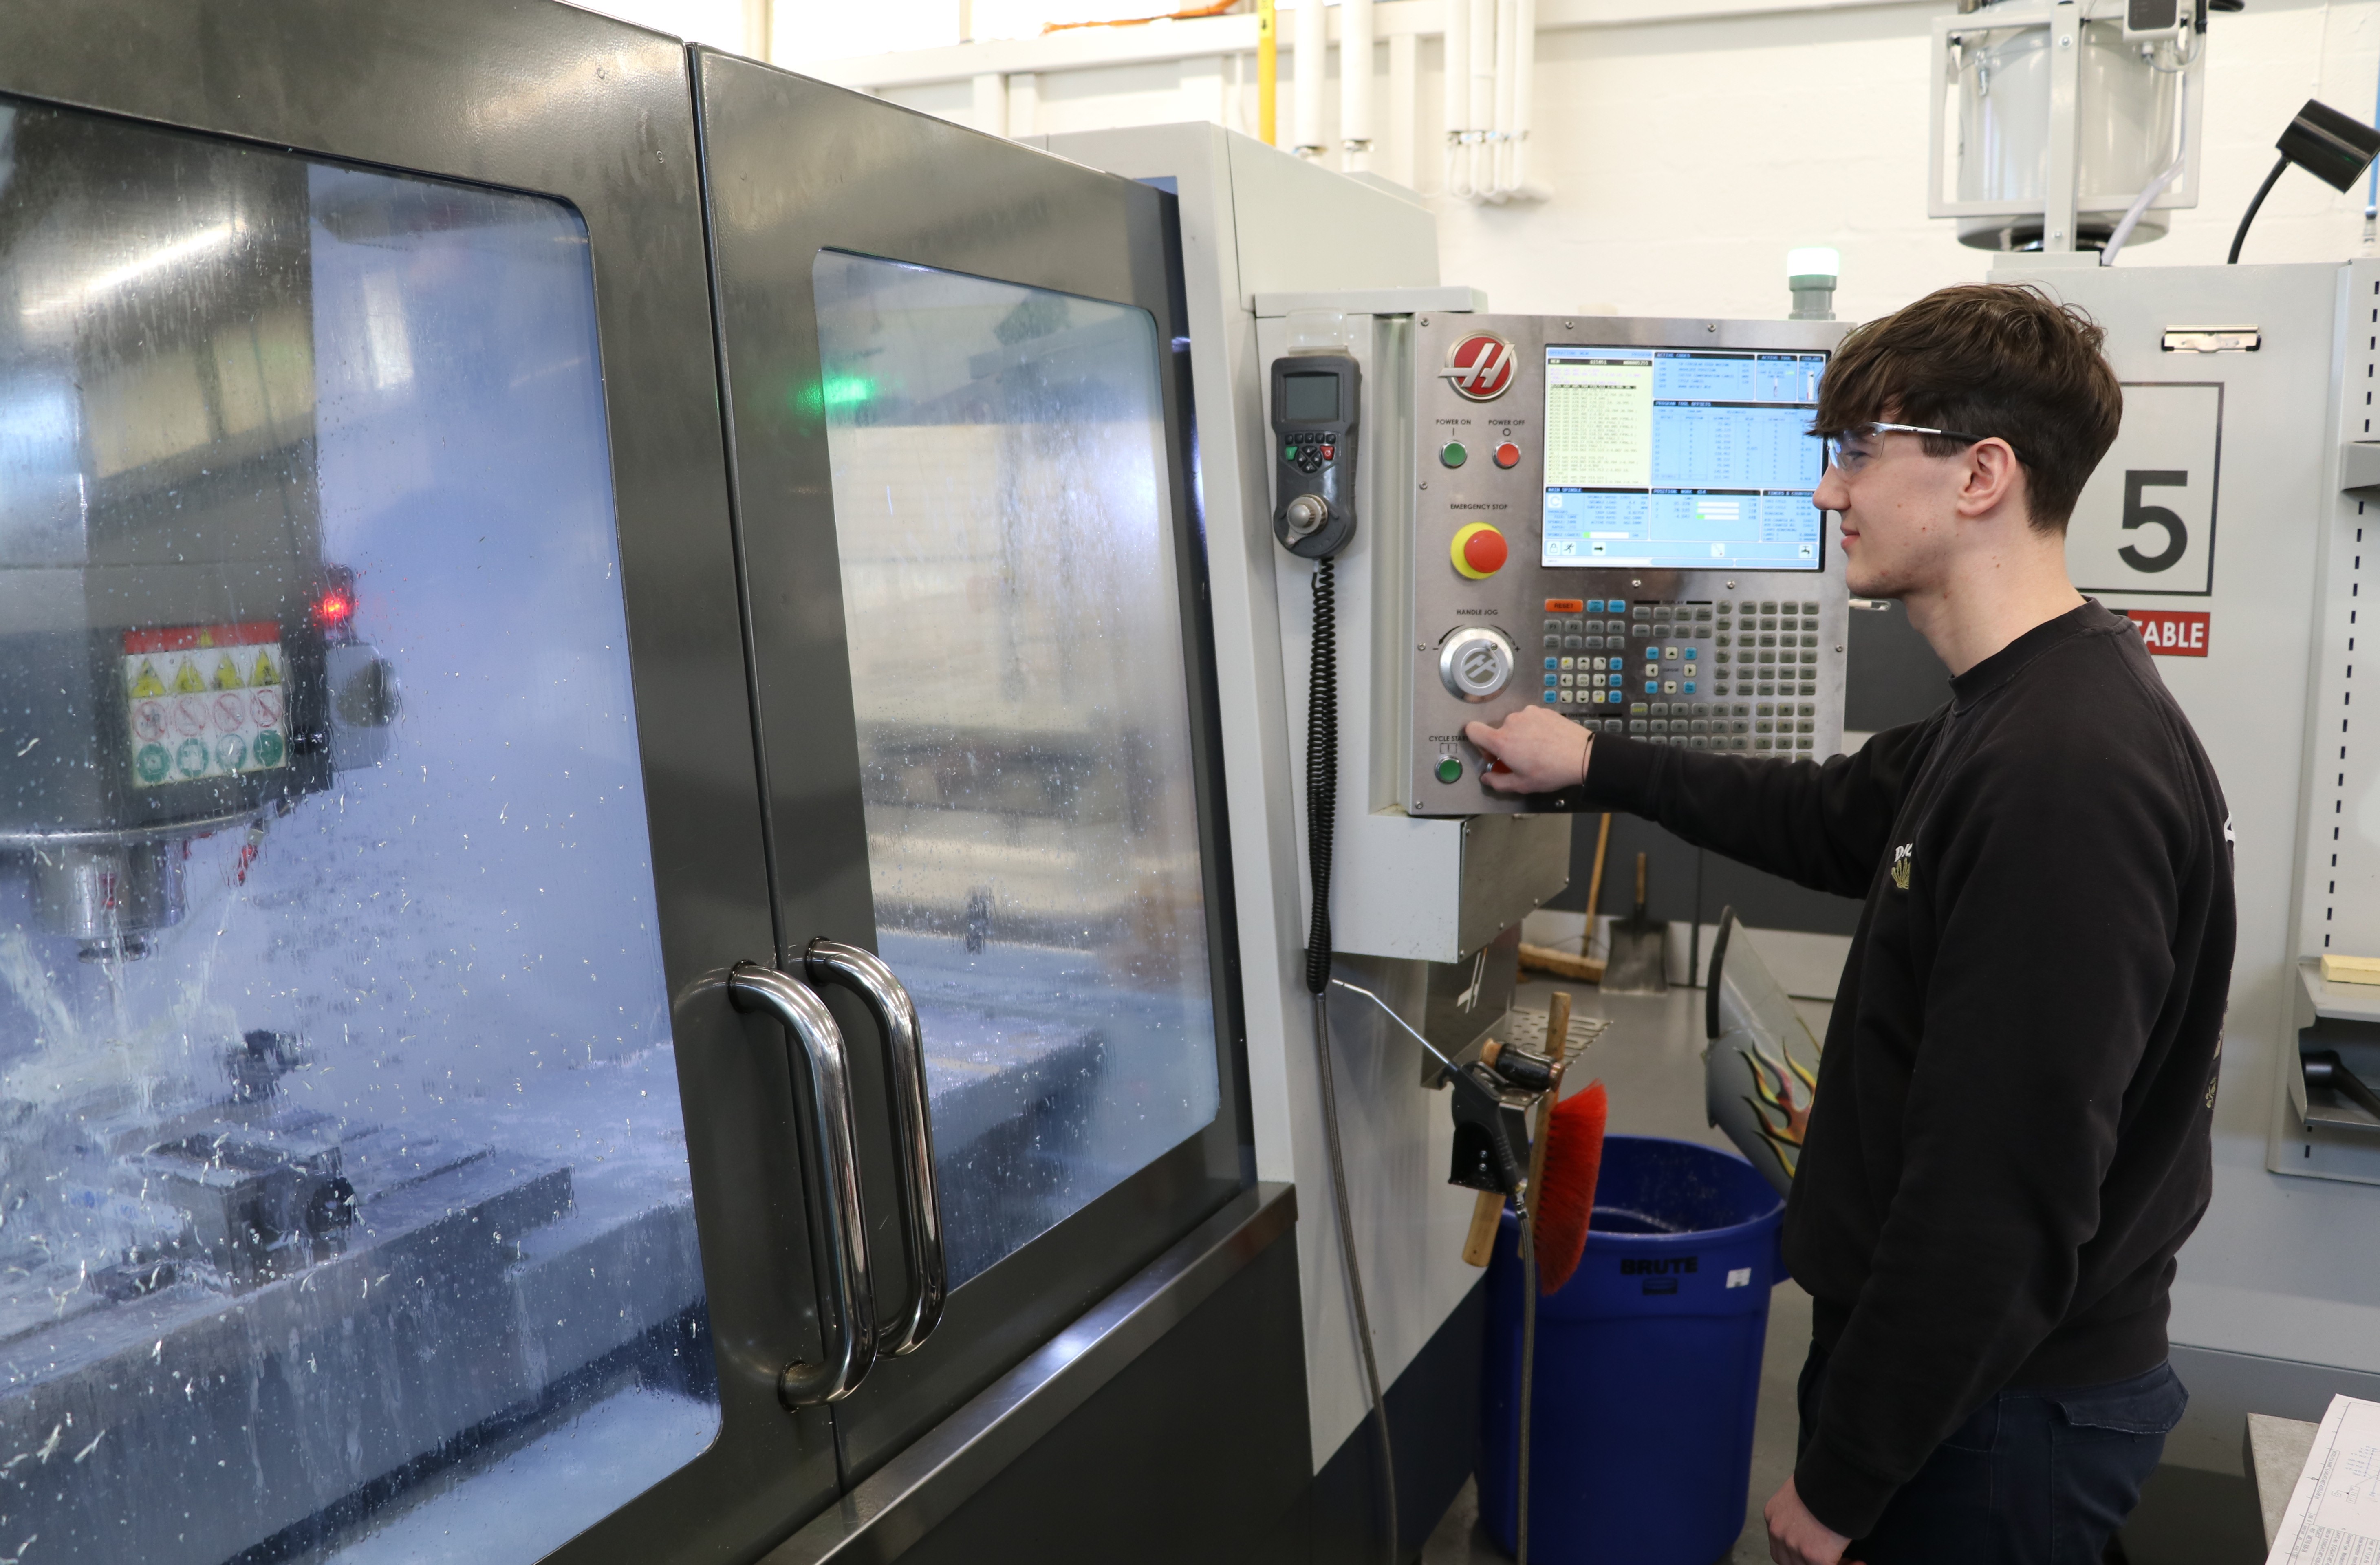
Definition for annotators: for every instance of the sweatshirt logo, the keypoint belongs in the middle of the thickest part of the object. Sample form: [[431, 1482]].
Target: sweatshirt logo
[[1901, 867]]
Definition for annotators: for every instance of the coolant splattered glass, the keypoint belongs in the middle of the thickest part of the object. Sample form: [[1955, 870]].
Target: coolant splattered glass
[[1016, 668], [344, 1197]]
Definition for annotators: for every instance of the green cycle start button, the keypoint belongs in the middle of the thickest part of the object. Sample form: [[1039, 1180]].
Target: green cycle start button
[[1450, 769]]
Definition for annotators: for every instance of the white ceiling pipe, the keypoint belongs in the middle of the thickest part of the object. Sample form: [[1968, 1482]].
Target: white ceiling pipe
[[1355, 84], [1458, 95], [1499, 147], [1482, 118], [1402, 165], [1524, 76], [1313, 75]]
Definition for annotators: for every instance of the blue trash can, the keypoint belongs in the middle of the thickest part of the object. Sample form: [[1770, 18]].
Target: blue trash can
[[1648, 1365]]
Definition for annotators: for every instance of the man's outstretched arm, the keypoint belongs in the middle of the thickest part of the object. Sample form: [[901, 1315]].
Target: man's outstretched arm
[[1824, 826]]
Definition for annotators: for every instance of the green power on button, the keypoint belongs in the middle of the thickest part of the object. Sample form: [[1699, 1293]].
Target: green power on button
[[1452, 454], [1449, 770]]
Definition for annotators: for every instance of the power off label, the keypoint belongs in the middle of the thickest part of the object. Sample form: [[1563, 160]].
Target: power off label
[[205, 701]]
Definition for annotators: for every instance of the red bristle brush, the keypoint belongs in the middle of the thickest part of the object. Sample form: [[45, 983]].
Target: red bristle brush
[[1565, 1200]]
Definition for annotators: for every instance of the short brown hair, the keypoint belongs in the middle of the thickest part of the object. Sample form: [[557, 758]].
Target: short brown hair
[[1986, 359]]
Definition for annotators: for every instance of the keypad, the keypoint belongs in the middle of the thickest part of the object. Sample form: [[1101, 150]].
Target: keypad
[[1583, 681], [1308, 453], [1752, 647]]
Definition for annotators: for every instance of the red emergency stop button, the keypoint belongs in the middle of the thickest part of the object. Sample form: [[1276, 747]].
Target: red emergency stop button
[[1508, 456], [1479, 551]]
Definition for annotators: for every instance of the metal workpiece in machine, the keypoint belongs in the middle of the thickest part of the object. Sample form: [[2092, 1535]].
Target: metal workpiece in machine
[[1612, 517]]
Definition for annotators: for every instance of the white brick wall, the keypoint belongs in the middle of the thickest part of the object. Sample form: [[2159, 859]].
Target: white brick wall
[[1687, 157]]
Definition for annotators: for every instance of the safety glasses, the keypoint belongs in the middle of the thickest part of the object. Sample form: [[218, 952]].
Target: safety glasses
[[1850, 450]]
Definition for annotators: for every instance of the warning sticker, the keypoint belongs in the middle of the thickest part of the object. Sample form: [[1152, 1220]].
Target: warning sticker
[[2172, 633], [205, 701]]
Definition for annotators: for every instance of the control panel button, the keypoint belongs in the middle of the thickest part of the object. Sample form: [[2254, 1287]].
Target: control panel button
[[1508, 454], [1479, 551], [1450, 769], [1452, 454]]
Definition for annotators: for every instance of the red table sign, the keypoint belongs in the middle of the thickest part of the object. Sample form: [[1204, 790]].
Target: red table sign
[[2173, 633]]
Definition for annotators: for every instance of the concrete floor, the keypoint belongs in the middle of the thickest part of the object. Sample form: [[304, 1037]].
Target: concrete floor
[[1651, 1064]]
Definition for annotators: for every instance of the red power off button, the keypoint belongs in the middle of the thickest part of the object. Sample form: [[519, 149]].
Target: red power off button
[[1508, 456]]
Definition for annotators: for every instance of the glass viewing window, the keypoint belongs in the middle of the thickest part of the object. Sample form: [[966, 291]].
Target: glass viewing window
[[1015, 635], [340, 1139]]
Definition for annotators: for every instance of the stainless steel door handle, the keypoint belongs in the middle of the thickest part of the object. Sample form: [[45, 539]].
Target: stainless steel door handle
[[848, 1305], [864, 974]]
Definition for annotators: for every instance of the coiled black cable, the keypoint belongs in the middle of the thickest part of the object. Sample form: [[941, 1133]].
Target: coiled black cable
[[1321, 771], [1321, 820]]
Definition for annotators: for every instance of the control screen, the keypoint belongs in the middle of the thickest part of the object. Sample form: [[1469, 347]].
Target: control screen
[[1683, 458], [1312, 399]]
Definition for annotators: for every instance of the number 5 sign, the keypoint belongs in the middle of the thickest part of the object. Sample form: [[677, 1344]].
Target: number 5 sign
[[2145, 524]]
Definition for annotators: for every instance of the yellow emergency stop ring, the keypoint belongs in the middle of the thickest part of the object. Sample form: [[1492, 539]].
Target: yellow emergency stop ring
[[1461, 553]]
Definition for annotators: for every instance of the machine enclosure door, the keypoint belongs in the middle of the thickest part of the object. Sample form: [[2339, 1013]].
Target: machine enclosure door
[[375, 837], [956, 390]]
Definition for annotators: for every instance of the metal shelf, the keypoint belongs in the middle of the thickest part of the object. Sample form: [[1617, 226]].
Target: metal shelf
[[2338, 1002], [2322, 1000]]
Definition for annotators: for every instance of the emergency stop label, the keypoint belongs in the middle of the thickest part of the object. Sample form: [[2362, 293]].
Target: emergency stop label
[[205, 701], [2172, 633]]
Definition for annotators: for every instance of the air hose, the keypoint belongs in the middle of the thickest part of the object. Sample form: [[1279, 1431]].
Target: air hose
[[1321, 813]]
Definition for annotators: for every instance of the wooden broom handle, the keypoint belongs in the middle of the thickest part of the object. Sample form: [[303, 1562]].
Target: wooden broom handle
[[1594, 881], [1558, 1050], [1480, 1242]]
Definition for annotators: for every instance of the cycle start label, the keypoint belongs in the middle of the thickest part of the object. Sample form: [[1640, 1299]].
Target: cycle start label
[[205, 701]]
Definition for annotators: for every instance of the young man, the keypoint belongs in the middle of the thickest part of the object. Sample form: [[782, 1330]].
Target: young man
[[2011, 1134]]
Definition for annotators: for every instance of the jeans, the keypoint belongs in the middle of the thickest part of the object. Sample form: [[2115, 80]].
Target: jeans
[[2034, 1477]]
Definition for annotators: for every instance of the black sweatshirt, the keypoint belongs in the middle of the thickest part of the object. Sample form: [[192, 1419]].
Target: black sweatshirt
[[2011, 1136]]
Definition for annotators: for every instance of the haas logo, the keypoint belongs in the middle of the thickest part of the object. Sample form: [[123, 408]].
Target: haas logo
[[1481, 367]]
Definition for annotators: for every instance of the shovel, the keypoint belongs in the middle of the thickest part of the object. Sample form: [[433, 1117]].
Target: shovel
[[1639, 962]]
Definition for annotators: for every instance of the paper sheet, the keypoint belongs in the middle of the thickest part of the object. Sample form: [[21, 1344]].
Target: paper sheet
[[2334, 1515]]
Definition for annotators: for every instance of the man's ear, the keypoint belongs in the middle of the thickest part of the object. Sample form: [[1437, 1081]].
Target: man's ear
[[1993, 480]]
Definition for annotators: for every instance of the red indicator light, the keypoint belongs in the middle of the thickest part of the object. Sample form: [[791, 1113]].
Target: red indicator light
[[335, 603]]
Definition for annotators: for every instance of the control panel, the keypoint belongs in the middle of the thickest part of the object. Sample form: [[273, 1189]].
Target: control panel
[[1613, 518], [1316, 399]]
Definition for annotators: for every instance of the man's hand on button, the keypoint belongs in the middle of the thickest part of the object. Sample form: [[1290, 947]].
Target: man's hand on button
[[1534, 751]]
